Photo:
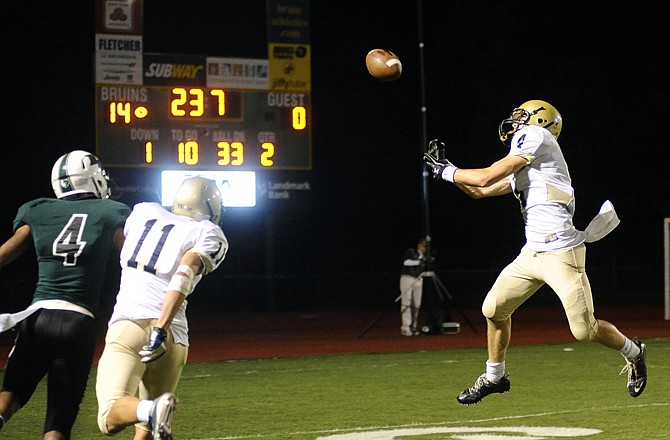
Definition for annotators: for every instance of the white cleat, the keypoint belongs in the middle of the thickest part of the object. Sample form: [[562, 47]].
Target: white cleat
[[160, 417]]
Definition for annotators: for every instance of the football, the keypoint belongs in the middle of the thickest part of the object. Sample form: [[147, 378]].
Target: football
[[383, 64]]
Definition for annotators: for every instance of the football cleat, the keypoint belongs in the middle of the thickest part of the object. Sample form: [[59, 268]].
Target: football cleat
[[637, 370], [482, 388], [160, 417]]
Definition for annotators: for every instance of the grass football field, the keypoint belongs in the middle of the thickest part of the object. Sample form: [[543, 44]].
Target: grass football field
[[558, 391]]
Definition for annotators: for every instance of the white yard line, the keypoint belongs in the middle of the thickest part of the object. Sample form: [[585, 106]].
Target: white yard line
[[383, 432]]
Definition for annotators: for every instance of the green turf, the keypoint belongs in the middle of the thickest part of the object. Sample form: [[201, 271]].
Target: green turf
[[554, 385]]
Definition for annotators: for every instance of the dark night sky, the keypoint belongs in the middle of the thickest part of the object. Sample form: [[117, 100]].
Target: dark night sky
[[599, 64]]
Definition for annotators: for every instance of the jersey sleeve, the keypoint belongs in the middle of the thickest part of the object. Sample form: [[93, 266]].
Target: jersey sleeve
[[526, 142], [118, 213], [23, 216], [211, 246], [20, 218]]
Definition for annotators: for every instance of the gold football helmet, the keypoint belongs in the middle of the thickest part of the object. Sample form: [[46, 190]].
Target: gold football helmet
[[533, 112], [198, 198]]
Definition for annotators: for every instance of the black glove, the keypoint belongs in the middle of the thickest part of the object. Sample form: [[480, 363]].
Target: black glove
[[437, 148], [435, 159], [156, 347]]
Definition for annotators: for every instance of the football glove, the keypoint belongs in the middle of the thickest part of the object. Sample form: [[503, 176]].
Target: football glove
[[440, 167], [437, 148], [156, 347]]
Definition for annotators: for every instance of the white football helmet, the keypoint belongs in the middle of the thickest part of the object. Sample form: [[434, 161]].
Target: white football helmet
[[533, 112], [198, 198], [79, 172]]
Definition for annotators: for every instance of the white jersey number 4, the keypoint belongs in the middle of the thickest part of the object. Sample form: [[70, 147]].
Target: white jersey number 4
[[68, 244]]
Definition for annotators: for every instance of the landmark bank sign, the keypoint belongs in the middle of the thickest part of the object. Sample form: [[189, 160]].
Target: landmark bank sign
[[286, 192]]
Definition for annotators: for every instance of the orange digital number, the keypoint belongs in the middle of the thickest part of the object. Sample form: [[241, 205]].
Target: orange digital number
[[299, 117], [188, 152], [149, 152], [119, 109], [192, 101], [178, 102], [267, 154], [221, 98], [230, 153], [178, 105], [123, 110], [198, 102]]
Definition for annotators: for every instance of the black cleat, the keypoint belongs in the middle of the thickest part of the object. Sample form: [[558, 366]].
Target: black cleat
[[482, 388], [637, 371]]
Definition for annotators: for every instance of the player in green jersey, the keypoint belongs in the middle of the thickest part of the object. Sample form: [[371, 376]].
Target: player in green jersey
[[73, 236]]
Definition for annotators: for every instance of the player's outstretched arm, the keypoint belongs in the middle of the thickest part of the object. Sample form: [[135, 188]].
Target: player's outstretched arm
[[477, 192], [477, 182], [489, 176], [490, 181], [16, 245]]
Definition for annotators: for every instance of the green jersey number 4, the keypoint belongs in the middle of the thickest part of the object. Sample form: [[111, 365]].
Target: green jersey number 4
[[68, 244]]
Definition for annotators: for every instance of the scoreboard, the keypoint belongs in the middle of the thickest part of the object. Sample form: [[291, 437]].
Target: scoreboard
[[193, 112], [182, 127]]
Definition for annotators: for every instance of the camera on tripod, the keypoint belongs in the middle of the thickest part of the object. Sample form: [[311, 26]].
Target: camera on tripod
[[428, 264], [436, 303]]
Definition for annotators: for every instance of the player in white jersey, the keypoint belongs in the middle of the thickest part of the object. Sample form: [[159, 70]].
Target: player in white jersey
[[554, 254], [164, 256]]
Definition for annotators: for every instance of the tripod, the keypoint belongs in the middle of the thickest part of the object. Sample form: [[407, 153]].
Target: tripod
[[442, 294]]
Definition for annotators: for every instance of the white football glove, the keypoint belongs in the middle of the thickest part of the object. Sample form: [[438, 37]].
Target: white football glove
[[156, 347]]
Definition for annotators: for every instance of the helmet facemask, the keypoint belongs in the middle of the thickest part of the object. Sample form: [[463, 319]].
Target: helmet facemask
[[510, 125]]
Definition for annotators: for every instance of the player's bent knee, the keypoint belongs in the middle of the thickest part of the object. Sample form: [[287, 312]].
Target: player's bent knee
[[583, 333], [102, 422], [489, 307], [102, 426], [584, 329]]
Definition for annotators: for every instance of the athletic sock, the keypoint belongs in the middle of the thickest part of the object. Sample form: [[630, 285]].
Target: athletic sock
[[143, 410], [630, 350], [495, 371]]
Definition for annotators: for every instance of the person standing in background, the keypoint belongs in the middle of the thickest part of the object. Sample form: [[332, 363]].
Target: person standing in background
[[411, 288]]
